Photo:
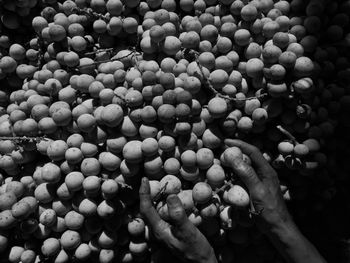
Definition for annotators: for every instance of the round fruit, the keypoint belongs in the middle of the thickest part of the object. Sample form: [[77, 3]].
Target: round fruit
[[217, 107], [201, 193], [70, 240], [112, 115], [232, 154], [170, 184], [132, 151], [50, 247], [237, 196], [205, 158]]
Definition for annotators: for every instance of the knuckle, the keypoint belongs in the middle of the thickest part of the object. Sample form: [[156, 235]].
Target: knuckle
[[160, 231], [254, 149], [261, 192], [177, 212], [143, 212], [159, 235], [240, 166], [144, 208], [250, 174]]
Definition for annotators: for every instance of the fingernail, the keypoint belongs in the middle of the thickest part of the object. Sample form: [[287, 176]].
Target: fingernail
[[172, 200], [237, 162]]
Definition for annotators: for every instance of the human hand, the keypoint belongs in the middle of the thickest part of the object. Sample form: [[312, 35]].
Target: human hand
[[180, 236], [264, 188], [274, 219]]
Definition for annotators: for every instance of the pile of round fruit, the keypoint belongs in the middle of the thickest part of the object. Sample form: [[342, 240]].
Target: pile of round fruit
[[96, 94]]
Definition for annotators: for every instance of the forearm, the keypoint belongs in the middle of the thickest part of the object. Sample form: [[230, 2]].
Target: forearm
[[293, 245]]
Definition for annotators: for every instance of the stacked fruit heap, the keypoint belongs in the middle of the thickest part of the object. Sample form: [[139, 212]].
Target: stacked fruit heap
[[97, 94]]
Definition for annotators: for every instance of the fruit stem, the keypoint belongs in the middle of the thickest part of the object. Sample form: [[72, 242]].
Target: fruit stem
[[287, 133], [132, 52], [89, 12], [159, 196], [214, 91], [23, 138], [222, 188], [252, 210], [109, 50]]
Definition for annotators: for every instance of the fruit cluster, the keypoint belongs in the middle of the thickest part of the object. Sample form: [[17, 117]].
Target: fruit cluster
[[96, 94]]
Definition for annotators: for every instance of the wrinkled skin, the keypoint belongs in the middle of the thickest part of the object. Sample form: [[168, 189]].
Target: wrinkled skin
[[185, 241], [263, 185], [180, 236]]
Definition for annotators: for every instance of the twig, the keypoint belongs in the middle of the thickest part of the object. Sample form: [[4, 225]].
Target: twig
[[89, 12], [252, 209], [287, 133], [132, 52], [40, 51], [100, 50], [160, 194], [23, 138], [222, 188], [214, 91], [136, 60], [123, 185]]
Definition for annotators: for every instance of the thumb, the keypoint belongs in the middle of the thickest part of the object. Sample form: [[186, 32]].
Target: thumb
[[176, 211], [247, 174]]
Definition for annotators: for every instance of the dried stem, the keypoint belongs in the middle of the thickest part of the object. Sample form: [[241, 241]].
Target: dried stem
[[214, 91], [132, 53], [161, 194], [287, 133], [23, 138], [252, 209], [99, 51], [223, 188], [89, 12]]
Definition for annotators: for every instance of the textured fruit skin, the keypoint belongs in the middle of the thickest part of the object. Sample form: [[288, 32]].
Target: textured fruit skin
[[98, 94], [231, 154], [201, 193], [217, 107], [237, 196], [171, 184]]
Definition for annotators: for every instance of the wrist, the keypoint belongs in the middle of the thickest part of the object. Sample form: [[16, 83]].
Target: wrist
[[284, 228], [284, 234], [274, 221], [292, 244]]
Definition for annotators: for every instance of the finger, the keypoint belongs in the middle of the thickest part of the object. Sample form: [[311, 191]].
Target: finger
[[176, 211], [254, 154], [146, 206], [247, 174]]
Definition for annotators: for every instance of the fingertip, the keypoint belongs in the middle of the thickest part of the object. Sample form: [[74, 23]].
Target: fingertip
[[177, 214], [144, 181], [235, 142], [144, 188], [238, 165], [246, 173], [174, 203], [173, 200], [250, 150], [228, 142]]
